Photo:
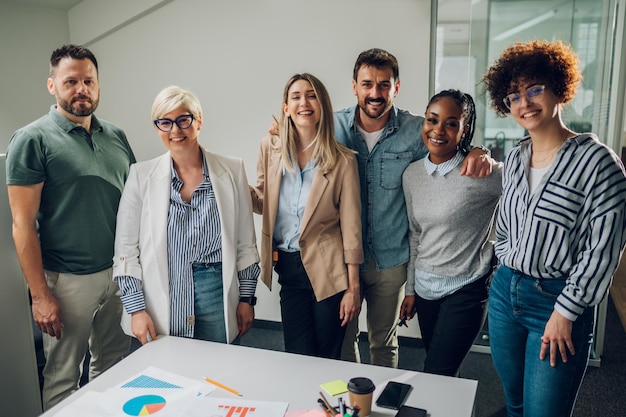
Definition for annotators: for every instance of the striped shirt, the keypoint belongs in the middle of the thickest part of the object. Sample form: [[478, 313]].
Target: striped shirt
[[193, 235], [572, 225]]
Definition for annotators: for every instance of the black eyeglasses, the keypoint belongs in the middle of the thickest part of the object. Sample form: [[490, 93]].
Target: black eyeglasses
[[531, 93], [183, 122]]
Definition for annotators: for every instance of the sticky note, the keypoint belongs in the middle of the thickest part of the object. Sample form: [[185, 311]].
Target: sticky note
[[335, 387]]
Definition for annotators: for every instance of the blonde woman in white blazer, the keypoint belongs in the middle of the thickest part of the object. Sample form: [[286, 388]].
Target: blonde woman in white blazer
[[185, 256]]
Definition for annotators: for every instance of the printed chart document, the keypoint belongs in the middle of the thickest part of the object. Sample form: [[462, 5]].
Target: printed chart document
[[235, 407], [151, 392], [161, 402], [155, 392], [153, 377]]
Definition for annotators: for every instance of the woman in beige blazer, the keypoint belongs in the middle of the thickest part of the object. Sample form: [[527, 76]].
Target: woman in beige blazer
[[308, 193], [185, 251]]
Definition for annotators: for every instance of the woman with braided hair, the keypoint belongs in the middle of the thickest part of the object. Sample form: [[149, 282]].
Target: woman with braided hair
[[450, 222]]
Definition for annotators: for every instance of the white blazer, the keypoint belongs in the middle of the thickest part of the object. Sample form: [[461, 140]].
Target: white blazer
[[141, 234]]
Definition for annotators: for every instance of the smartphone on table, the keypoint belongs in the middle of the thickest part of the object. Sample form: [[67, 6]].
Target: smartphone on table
[[408, 411], [393, 395]]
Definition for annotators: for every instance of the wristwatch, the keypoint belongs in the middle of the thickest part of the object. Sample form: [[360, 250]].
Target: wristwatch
[[250, 300]]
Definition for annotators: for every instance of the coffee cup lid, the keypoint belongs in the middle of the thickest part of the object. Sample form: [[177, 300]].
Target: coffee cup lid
[[361, 385]]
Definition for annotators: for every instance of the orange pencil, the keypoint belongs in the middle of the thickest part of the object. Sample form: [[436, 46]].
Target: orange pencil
[[222, 386]]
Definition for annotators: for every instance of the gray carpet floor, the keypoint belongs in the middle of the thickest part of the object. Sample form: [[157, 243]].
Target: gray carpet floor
[[603, 392]]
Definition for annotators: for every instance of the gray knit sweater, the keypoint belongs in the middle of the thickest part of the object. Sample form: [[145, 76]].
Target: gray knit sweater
[[449, 223]]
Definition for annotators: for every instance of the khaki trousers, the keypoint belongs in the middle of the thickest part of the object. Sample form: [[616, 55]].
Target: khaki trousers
[[91, 311], [383, 291]]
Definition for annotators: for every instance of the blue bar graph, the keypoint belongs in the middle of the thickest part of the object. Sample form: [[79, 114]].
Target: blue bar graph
[[144, 381]]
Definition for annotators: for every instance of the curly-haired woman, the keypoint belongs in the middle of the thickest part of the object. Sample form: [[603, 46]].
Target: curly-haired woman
[[560, 233]]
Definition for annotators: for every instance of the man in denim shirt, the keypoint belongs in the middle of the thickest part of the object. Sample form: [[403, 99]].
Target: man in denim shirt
[[387, 140]]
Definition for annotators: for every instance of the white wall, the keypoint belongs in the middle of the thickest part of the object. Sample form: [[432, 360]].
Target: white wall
[[237, 56], [27, 37]]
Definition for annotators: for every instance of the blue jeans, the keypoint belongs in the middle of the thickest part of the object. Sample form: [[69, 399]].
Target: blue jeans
[[519, 308], [208, 297]]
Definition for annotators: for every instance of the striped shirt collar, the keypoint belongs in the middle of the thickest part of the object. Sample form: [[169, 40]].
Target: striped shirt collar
[[444, 168]]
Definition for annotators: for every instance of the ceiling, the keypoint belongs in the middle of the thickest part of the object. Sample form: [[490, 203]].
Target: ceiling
[[50, 4]]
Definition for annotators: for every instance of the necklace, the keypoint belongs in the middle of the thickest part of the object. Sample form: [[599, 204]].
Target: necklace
[[309, 145], [547, 157], [550, 152]]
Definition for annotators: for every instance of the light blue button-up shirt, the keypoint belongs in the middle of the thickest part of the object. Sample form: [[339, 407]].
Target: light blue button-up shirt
[[383, 216], [294, 191]]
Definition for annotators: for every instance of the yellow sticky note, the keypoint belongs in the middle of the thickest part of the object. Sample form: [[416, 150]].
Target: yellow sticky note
[[335, 387]]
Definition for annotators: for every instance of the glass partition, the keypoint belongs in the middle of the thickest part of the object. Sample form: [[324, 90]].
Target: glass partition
[[471, 34]]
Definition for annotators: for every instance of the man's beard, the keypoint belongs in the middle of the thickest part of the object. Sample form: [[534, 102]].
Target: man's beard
[[377, 114], [81, 109]]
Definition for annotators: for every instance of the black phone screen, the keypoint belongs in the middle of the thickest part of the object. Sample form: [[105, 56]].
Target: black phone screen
[[394, 394]]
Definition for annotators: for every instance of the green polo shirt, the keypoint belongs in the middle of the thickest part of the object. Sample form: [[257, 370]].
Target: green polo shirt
[[83, 176]]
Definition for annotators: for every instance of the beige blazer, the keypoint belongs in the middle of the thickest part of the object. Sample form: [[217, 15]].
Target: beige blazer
[[141, 235], [330, 236]]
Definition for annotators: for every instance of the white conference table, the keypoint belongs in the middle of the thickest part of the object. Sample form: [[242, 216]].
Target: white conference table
[[267, 375]]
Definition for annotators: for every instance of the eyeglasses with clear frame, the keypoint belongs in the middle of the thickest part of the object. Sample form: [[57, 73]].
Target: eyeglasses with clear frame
[[182, 121], [531, 93]]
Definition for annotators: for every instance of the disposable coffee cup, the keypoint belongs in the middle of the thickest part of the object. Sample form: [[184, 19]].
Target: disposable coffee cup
[[360, 392]]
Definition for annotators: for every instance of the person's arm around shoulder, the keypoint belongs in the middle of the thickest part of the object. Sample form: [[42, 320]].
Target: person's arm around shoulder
[[257, 191], [24, 201], [477, 164]]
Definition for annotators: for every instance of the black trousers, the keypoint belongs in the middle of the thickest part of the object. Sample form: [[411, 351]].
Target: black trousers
[[450, 325], [310, 327]]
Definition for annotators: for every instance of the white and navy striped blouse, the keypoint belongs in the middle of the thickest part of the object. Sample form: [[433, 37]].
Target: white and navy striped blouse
[[572, 226], [193, 236]]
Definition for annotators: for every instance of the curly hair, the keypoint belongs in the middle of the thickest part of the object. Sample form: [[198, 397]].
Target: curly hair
[[553, 64]]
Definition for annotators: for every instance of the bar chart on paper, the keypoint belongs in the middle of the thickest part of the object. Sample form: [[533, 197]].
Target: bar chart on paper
[[145, 381], [144, 405]]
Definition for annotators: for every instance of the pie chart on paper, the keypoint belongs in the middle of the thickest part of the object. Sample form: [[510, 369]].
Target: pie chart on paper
[[144, 405]]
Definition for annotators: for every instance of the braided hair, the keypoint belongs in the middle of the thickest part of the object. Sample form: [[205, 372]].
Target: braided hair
[[468, 111]]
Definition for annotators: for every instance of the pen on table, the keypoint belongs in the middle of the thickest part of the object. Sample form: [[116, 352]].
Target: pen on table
[[325, 409], [327, 404], [342, 407], [222, 386]]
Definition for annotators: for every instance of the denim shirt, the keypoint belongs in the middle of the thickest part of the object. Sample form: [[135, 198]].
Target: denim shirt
[[383, 216]]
